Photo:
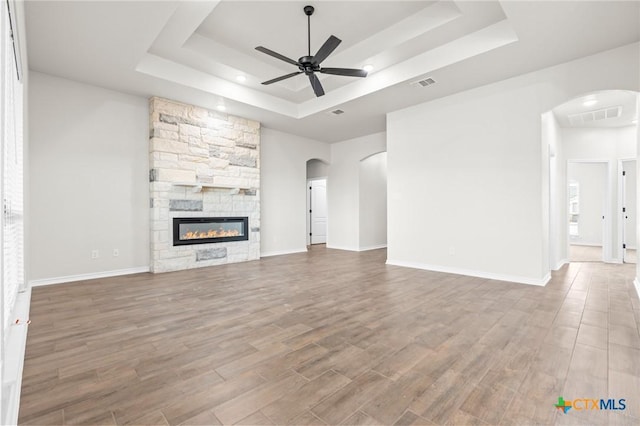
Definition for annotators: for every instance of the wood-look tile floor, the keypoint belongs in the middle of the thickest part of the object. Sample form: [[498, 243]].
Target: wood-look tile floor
[[330, 337], [579, 253]]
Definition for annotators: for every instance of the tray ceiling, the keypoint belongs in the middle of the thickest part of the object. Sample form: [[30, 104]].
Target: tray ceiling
[[193, 51]]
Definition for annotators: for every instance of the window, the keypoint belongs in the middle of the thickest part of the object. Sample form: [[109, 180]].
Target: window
[[574, 208]]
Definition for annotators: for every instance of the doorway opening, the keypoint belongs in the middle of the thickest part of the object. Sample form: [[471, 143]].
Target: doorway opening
[[628, 209], [372, 203], [587, 203], [317, 212], [591, 140]]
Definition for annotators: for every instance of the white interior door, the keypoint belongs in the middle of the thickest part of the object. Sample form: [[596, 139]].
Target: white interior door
[[318, 211], [629, 214]]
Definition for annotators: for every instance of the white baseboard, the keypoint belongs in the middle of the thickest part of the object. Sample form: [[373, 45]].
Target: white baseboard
[[480, 274], [350, 248], [580, 243], [89, 276], [381, 246], [636, 284], [560, 264], [347, 248], [281, 252], [16, 341]]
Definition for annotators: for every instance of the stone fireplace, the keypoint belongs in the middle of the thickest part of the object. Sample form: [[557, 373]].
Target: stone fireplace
[[205, 180]]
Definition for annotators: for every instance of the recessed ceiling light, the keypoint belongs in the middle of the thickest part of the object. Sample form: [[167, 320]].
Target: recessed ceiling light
[[241, 78], [222, 108], [368, 67], [590, 102]]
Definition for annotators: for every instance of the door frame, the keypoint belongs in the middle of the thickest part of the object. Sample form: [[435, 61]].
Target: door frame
[[308, 219], [621, 192], [607, 223]]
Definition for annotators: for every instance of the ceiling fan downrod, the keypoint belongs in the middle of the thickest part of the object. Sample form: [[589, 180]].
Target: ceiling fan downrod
[[308, 10]]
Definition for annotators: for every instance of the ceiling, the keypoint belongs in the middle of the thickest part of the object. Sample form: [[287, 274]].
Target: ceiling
[[609, 108], [194, 51]]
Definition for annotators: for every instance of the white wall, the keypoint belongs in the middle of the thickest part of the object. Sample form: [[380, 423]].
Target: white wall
[[373, 201], [636, 282], [592, 191], [343, 189], [464, 197], [283, 165], [557, 239], [468, 176], [599, 143], [89, 184]]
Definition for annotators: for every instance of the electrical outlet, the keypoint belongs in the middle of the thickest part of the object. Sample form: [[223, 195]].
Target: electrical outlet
[[116, 252], [95, 254], [452, 251]]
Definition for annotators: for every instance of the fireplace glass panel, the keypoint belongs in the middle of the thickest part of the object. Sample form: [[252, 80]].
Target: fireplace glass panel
[[209, 230], [195, 231]]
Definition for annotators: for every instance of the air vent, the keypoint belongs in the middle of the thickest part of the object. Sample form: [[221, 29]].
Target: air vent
[[423, 83], [598, 115], [614, 112], [337, 112]]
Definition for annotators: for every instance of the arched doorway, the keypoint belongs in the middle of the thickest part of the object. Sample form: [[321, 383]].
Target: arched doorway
[[593, 149]]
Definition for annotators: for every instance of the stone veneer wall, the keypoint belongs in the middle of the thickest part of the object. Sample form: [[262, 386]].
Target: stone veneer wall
[[203, 163]]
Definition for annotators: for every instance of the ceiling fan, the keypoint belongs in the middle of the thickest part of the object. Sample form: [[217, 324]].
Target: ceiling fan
[[309, 65]]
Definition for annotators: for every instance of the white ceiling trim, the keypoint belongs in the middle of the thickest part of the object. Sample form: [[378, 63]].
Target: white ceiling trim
[[182, 24], [180, 42], [230, 62], [484, 40], [166, 69], [370, 49], [101, 43]]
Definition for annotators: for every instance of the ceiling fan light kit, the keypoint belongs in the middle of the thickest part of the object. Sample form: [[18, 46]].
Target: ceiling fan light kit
[[310, 65]]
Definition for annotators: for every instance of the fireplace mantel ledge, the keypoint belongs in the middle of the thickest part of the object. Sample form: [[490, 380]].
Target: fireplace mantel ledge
[[197, 186]]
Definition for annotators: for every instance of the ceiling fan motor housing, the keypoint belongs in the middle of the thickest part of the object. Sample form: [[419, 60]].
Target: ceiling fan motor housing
[[307, 65]]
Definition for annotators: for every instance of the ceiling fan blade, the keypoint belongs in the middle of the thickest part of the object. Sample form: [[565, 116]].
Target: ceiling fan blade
[[326, 49], [282, 77], [315, 83], [348, 72], [276, 55]]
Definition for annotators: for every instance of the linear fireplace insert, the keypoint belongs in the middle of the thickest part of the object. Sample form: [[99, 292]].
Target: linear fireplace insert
[[204, 230]]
